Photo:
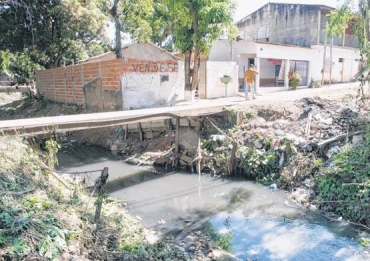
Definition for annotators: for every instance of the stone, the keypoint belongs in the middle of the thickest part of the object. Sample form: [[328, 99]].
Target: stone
[[258, 144], [279, 133], [327, 121]]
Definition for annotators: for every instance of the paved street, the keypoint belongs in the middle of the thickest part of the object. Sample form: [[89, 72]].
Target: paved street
[[181, 109]]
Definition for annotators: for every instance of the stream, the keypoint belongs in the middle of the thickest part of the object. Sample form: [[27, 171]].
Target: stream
[[253, 221]]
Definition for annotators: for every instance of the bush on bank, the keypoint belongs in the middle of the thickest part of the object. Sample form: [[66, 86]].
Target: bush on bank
[[344, 186], [40, 219]]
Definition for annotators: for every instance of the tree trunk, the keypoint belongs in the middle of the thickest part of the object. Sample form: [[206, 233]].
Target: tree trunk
[[114, 13]]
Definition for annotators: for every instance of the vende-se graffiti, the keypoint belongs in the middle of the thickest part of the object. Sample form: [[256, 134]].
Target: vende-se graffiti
[[155, 67]]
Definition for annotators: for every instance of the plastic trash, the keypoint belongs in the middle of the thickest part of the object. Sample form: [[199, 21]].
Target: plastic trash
[[273, 186]]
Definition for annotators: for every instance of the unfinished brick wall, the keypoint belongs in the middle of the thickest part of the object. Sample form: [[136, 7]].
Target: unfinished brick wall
[[66, 84]]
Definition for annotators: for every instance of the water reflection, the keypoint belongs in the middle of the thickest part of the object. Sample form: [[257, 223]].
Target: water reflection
[[251, 220], [259, 236]]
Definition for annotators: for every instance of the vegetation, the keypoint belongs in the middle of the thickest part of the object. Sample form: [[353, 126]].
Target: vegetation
[[344, 187], [196, 25], [224, 241], [294, 79], [314, 84], [41, 219], [50, 32]]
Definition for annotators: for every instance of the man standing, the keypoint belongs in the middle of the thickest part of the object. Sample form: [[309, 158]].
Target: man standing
[[249, 81]]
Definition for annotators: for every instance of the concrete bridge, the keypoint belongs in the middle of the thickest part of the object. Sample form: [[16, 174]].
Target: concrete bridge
[[34, 126]]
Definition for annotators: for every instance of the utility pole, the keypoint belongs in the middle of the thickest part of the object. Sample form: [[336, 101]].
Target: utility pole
[[324, 61]]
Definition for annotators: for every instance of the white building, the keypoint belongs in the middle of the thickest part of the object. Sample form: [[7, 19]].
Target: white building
[[279, 38]]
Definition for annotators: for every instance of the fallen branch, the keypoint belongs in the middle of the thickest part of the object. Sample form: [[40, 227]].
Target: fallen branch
[[339, 137], [55, 175], [339, 220]]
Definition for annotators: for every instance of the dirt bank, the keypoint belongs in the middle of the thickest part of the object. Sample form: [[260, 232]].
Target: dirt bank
[[282, 139]]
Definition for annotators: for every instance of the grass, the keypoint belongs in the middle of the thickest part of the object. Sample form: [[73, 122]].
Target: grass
[[40, 219]]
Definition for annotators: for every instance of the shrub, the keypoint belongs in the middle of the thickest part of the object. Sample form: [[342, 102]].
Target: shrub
[[294, 79], [345, 187]]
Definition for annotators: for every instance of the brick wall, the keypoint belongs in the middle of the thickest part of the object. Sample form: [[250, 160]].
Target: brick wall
[[66, 84]]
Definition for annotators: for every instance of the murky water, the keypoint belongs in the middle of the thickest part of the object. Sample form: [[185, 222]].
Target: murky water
[[261, 223]]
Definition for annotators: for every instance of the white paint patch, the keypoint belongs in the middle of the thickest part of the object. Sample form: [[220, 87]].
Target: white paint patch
[[142, 90]]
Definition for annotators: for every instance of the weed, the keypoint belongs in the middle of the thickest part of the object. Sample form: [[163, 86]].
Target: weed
[[18, 248], [52, 244], [52, 147], [345, 187], [348, 97], [224, 241]]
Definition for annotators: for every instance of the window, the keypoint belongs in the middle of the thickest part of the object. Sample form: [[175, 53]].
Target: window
[[263, 32]]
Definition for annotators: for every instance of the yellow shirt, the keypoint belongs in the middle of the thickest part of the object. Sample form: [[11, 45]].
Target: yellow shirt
[[249, 75]]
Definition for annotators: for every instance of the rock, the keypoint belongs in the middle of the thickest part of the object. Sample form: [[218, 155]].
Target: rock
[[182, 249], [114, 147], [357, 140], [327, 121], [332, 151], [281, 124], [258, 144], [279, 133]]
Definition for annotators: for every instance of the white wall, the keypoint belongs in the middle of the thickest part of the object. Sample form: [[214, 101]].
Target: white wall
[[214, 87], [267, 70], [142, 90], [348, 68], [240, 51]]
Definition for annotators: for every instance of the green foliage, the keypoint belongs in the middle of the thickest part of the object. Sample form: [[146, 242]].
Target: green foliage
[[162, 24], [364, 241], [22, 68], [258, 163], [239, 195], [338, 20], [346, 186], [224, 241], [199, 23], [314, 84], [294, 79], [52, 147], [196, 25], [51, 32], [4, 60], [18, 248], [52, 244]]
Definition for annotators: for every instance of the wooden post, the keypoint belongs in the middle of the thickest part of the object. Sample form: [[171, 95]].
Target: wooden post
[[99, 186], [239, 118], [126, 130], [232, 158], [141, 136], [177, 137]]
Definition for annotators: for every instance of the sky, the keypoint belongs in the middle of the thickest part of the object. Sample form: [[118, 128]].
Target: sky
[[246, 7]]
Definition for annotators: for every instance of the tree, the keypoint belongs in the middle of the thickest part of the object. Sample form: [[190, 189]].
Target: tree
[[196, 25], [362, 25], [51, 32], [338, 22], [131, 17], [162, 26]]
